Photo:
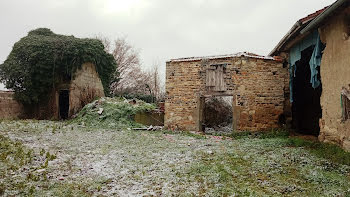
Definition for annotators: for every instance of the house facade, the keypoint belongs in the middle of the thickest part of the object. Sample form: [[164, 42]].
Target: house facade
[[319, 65]]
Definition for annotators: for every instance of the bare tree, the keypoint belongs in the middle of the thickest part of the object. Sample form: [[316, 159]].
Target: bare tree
[[155, 83], [132, 79], [130, 75]]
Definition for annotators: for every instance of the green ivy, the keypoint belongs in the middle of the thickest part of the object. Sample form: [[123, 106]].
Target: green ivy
[[42, 60]]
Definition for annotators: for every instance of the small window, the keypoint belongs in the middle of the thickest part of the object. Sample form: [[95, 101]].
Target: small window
[[345, 95]]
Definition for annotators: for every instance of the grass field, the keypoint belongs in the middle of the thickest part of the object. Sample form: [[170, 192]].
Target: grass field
[[46, 158]]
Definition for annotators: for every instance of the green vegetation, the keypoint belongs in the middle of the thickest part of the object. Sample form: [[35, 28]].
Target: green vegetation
[[14, 159], [261, 135], [264, 167], [323, 150], [106, 161], [14, 154], [117, 113], [25, 173], [43, 59], [327, 151]]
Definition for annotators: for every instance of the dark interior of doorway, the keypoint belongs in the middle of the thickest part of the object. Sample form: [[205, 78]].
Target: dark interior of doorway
[[306, 106], [218, 115], [64, 103]]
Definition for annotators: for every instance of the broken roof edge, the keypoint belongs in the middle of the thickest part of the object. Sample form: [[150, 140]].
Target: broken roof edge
[[319, 19], [295, 30], [241, 54]]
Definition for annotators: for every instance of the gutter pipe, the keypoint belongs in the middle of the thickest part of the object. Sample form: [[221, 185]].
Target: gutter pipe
[[316, 22]]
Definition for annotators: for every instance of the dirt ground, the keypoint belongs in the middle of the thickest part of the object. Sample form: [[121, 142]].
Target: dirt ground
[[75, 160]]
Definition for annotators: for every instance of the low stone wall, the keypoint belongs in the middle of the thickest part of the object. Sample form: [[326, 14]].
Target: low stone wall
[[150, 118], [9, 107]]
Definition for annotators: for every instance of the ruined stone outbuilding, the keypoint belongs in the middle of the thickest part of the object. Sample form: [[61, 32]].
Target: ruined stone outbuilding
[[317, 50], [257, 84], [65, 99]]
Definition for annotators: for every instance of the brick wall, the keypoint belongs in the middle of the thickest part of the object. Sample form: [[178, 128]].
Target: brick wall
[[257, 85], [9, 107], [183, 83], [259, 94]]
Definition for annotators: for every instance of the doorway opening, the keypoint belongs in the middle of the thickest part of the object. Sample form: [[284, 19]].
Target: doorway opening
[[64, 104], [306, 107], [217, 115]]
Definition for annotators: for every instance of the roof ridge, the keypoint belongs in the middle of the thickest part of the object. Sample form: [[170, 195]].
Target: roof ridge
[[239, 54]]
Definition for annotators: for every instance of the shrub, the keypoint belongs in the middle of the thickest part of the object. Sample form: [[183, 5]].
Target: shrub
[[117, 113]]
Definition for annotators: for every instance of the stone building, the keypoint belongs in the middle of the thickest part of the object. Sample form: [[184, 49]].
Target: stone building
[[256, 83], [317, 50], [66, 99]]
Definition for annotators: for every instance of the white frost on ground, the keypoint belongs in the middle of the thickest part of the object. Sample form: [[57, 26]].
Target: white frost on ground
[[133, 163], [137, 163]]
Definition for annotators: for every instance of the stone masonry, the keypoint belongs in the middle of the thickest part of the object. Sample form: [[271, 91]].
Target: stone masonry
[[256, 83], [9, 107]]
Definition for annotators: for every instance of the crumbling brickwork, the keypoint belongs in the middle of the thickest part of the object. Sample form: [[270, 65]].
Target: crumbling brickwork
[[85, 88], [9, 107], [256, 83]]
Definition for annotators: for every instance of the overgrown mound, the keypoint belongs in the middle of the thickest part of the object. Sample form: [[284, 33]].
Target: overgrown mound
[[112, 113], [42, 60]]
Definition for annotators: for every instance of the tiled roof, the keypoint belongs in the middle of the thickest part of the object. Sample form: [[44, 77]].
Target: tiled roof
[[313, 15], [295, 30]]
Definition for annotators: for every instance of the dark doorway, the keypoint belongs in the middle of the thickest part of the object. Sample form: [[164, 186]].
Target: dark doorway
[[217, 115], [306, 106], [64, 104]]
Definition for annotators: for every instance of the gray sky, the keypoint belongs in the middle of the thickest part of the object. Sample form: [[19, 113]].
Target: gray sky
[[161, 29]]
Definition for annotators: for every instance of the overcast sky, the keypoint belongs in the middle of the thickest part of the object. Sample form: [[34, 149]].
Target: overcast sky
[[161, 29]]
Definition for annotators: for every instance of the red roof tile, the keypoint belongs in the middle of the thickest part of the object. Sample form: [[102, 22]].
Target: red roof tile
[[313, 15]]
